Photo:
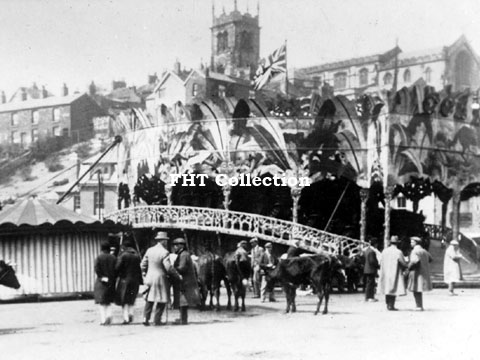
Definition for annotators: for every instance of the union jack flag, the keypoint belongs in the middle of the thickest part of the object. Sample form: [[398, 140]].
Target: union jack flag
[[274, 64]]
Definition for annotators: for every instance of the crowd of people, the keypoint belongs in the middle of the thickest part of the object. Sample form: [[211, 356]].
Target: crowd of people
[[398, 273], [119, 278]]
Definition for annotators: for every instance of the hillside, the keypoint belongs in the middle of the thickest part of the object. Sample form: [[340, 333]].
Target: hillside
[[36, 179]]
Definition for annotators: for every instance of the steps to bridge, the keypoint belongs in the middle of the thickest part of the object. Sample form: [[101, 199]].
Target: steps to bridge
[[236, 223]]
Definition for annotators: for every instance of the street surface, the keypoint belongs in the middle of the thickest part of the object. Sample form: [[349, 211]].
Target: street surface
[[353, 329]]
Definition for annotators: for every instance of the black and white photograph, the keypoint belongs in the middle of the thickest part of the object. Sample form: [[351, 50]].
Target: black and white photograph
[[239, 179]]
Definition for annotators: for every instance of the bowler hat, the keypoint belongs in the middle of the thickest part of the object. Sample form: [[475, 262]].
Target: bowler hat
[[161, 235], [179, 241]]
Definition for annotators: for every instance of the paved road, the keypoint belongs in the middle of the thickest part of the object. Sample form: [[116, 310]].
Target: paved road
[[447, 329]]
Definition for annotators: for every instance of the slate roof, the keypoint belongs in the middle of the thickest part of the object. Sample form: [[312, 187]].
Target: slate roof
[[40, 103]]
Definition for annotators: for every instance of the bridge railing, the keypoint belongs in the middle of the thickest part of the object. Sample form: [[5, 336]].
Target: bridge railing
[[236, 223]]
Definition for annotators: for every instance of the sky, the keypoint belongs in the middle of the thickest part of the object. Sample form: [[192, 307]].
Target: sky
[[51, 42]]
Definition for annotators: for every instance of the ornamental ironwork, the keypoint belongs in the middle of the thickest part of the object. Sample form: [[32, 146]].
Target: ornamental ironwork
[[239, 224]]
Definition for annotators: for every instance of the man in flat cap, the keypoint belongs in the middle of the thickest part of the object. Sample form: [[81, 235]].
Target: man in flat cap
[[255, 257], [391, 282], [189, 294], [419, 271], [267, 262], [156, 266]]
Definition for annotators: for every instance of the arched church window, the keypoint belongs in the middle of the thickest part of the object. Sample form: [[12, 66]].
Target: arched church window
[[363, 77], [222, 41], [245, 47]]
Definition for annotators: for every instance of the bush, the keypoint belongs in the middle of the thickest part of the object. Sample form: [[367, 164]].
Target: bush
[[53, 164], [43, 148], [83, 150], [26, 173]]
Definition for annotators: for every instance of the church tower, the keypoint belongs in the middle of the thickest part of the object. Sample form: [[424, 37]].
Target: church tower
[[235, 43]]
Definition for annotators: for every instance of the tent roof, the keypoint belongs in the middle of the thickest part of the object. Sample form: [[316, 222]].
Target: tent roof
[[36, 212]]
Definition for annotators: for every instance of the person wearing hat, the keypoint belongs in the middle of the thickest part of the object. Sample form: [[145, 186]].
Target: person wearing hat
[[157, 267], [256, 254], [129, 278], [391, 282], [189, 294], [267, 262], [419, 280], [104, 288], [451, 265], [370, 270], [241, 254]]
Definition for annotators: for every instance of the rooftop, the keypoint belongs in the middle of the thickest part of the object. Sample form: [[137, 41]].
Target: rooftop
[[40, 103]]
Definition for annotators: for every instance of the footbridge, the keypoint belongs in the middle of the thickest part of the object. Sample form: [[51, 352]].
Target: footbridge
[[236, 223]]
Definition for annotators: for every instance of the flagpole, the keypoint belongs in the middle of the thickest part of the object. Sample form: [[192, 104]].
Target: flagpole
[[286, 70]]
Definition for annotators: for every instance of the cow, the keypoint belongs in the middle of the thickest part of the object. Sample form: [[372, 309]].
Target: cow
[[211, 271], [315, 270], [7, 276], [353, 266], [238, 271]]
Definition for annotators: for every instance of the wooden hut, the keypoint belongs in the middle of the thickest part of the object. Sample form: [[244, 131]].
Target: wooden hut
[[53, 248]]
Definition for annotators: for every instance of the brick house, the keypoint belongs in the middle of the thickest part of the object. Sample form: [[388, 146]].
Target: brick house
[[24, 122]]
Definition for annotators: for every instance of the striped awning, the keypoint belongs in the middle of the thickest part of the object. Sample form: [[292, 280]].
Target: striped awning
[[36, 212]]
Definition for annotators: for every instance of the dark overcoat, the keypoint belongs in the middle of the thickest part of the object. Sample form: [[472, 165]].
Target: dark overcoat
[[129, 277], [189, 284], [104, 290], [371, 262]]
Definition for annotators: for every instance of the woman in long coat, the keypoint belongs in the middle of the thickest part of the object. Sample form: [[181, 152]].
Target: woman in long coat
[[451, 265], [129, 279], [104, 288], [189, 294]]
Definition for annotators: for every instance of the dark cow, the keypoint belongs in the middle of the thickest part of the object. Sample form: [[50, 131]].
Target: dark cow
[[7, 276], [211, 271], [353, 266], [238, 271], [315, 270]]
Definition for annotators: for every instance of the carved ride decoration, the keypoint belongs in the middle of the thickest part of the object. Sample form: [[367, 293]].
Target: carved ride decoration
[[237, 223]]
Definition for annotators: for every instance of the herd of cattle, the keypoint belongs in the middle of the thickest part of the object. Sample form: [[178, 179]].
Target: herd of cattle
[[319, 271]]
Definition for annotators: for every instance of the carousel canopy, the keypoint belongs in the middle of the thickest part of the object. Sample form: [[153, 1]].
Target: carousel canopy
[[35, 212]]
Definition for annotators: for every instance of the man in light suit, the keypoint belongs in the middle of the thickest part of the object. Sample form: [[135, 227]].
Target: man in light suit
[[256, 256], [391, 282], [155, 267]]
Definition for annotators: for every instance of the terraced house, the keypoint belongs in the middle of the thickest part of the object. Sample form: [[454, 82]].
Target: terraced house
[[26, 120]]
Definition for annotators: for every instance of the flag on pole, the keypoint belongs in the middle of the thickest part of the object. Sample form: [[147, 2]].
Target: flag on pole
[[274, 64]]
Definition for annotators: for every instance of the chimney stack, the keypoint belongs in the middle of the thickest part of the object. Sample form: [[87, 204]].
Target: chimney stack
[[92, 89], [64, 90], [3, 98], [23, 94], [152, 79], [177, 67], [44, 92]]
